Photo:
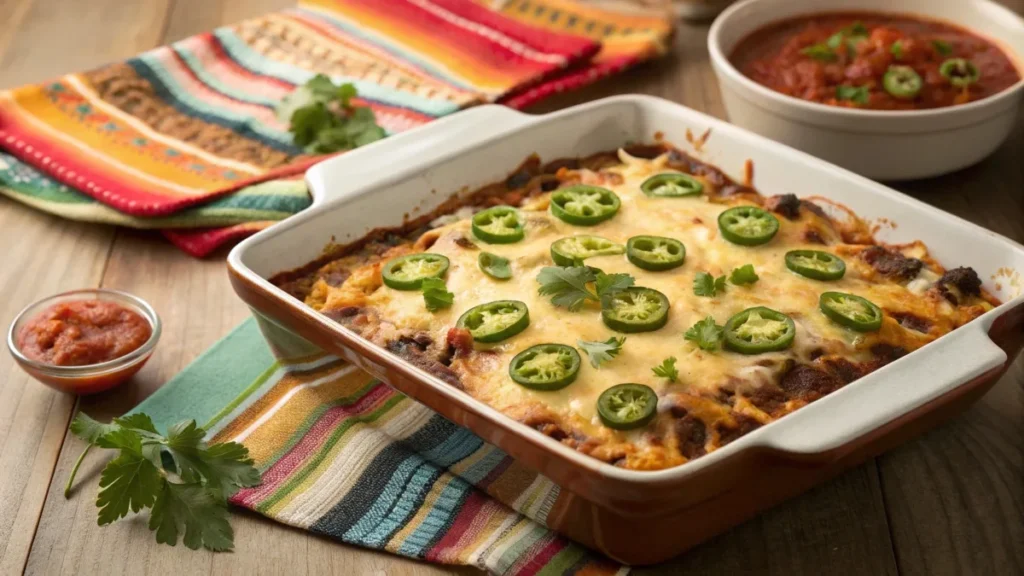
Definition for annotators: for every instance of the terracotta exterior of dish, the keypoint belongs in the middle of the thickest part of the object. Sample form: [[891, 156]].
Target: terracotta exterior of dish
[[635, 522]]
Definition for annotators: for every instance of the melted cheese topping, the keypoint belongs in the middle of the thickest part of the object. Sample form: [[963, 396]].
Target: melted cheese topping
[[694, 222]]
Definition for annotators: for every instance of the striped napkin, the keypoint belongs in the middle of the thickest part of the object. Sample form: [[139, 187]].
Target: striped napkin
[[346, 456], [184, 138]]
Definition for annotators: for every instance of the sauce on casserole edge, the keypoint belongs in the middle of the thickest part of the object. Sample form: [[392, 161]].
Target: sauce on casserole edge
[[842, 59], [83, 332]]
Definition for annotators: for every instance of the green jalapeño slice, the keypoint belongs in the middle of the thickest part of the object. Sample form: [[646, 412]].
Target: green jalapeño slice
[[758, 330], [747, 225], [627, 406], [815, 264], [575, 249], [545, 366], [672, 185], [636, 310], [408, 272], [852, 311], [498, 225], [960, 72], [494, 266], [495, 321], [902, 82], [583, 205], [655, 253]]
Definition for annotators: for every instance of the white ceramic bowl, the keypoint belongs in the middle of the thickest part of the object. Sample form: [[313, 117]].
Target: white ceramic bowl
[[884, 145]]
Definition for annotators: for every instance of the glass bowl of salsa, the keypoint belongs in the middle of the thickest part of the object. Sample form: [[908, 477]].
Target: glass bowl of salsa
[[892, 91], [84, 341]]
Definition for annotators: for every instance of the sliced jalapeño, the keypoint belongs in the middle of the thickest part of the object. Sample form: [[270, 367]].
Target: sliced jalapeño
[[627, 406], [757, 330], [408, 272], [495, 321], [545, 367]]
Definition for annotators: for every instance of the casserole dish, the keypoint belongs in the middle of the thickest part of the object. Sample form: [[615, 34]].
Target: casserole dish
[[644, 517], [884, 145]]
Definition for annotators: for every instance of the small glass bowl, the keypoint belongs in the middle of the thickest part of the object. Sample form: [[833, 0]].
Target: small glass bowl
[[91, 378]]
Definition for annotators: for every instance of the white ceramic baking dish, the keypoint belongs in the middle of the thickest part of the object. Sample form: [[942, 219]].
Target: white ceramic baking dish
[[880, 144], [635, 516]]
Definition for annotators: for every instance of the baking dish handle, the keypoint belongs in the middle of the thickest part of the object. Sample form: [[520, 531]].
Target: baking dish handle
[[885, 395], [419, 146]]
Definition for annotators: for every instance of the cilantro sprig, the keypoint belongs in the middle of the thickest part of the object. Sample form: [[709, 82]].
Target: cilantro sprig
[[667, 369], [706, 334], [323, 120], [435, 294], [744, 275], [705, 284], [184, 481], [599, 352], [569, 287]]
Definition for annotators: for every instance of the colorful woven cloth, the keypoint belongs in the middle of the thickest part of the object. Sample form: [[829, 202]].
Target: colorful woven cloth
[[346, 456], [185, 136]]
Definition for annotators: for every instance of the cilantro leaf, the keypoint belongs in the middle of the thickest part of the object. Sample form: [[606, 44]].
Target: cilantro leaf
[[705, 284], [942, 47], [436, 295], [744, 275], [322, 119], [855, 94], [820, 52], [191, 509], [185, 481], [229, 462], [599, 352], [667, 369], [897, 50], [139, 422], [706, 334], [127, 482], [88, 429], [567, 285], [835, 41], [608, 285], [856, 29]]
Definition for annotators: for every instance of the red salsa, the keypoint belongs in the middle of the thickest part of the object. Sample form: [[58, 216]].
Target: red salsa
[[83, 332], [875, 61]]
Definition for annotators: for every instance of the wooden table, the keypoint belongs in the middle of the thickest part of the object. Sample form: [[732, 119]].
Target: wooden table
[[950, 503]]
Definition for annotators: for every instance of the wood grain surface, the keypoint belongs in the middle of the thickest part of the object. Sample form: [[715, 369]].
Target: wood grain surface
[[949, 503]]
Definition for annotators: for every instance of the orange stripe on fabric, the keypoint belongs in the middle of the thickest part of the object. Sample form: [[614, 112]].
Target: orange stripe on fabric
[[468, 56], [271, 397], [87, 130]]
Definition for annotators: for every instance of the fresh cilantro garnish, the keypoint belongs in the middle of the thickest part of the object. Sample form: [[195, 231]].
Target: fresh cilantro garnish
[[436, 294], [705, 284], [568, 285], [942, 47], [744, 275], [185, 481], [322, 118], [599, 352], [897, 50], [855, 94], [822, 52], [610, 284], [667, 369], [856, 29], [706, 334]]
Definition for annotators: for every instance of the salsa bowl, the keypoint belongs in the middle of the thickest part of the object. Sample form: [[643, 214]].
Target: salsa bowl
[[879, 144]]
